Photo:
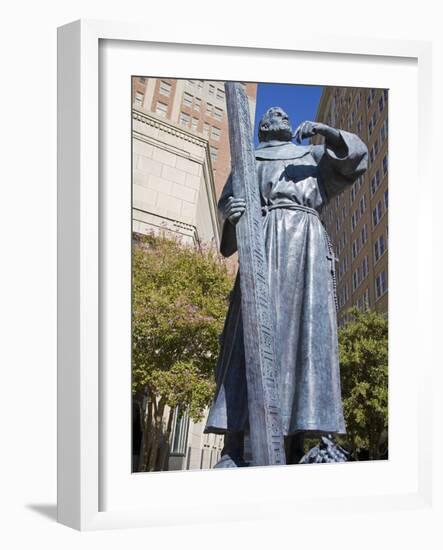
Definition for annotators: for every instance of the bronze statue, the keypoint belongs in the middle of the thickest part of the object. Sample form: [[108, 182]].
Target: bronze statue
[[295, 182]]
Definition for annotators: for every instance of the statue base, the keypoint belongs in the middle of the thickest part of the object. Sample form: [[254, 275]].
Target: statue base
[[327, 451]]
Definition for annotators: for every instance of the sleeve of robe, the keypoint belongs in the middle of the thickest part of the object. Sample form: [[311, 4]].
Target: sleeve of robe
[[228, 244], [338, 172]]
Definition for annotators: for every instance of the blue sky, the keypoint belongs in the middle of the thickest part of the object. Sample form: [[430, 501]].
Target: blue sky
[[300, 102]]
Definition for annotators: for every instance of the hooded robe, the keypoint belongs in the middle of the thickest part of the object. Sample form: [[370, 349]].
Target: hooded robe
[[295, 184]]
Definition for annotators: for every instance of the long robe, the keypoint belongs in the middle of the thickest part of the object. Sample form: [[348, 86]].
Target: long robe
[[295, 184]]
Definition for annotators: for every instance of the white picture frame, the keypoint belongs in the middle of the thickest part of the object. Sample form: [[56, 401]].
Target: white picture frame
[[97, 492]]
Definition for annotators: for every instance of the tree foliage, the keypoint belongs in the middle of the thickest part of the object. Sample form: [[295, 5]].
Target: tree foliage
[[363, 346], [179, 305]]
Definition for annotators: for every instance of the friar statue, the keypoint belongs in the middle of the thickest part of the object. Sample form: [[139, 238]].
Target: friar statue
[[296, 181]]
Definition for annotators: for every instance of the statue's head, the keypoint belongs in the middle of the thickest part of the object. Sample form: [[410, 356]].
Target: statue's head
[[275, 124]]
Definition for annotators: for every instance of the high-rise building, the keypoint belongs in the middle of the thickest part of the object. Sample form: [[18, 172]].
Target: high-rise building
[[357, 219], [195, 105]]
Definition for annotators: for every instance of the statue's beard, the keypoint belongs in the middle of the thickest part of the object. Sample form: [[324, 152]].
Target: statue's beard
[[277, 132]]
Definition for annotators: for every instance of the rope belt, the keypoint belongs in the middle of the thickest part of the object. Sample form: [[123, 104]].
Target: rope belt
[[289, 206], [331, 255]]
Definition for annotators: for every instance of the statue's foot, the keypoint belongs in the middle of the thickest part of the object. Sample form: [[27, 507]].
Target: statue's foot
[[327, 451], [227, 461]]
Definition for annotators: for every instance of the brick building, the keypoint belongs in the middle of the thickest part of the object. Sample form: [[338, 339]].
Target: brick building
[[357, 220]]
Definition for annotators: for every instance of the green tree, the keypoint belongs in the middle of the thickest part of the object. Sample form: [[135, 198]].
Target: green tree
[[364, 376], [179, 305]]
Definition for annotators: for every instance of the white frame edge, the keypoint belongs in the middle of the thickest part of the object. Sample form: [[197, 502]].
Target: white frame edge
[[78, 248]]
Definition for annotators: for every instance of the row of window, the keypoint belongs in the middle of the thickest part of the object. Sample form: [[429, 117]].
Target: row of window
[[343, 296], [360, 274], [359, 242], [191, 101], [358, 212], [352, 116], [356, 187], [212, 110], [339, 220], [209, 131], [213, 90], [342, 242], [195, 103], [363, 302], [342, 267]]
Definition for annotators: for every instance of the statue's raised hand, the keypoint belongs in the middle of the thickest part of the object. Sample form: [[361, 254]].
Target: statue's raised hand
[[309, 129], [234, 209]]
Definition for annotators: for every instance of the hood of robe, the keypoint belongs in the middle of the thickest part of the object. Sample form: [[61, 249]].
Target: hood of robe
[[281, 150]]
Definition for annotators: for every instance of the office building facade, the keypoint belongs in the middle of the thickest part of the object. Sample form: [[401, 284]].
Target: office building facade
[[357, 220]]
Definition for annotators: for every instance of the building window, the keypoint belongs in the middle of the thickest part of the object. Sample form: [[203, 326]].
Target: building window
[[211, 89], [220, 94], [354, 249], [362, 204], [214, 152], [385, 165], [376, 148], [359, 126], [161, 108], [187, 99], [353, 193], [194, 124], [364, 234], [138, 99], [215, 133], [381, 285], [383, 132], [381, 104], [218, 113], [184, 119], [353, 220], [165, 88], [386, 199], [379, 247], [385, 95], [206, 128], [197, 103], [364, 268], [377, 213], [179, 433], [209, 109]]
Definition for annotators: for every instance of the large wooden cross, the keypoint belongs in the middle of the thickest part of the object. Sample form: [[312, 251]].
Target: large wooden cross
[[267, 443]]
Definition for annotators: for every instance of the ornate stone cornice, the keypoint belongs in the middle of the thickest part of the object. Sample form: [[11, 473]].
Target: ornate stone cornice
[[165, 126]]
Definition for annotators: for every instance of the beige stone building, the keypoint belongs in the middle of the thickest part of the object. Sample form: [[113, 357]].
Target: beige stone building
[[180, 163], [357, 220], [195, 105]]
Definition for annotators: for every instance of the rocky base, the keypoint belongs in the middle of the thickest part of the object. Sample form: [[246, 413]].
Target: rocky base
[[327, 451]]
